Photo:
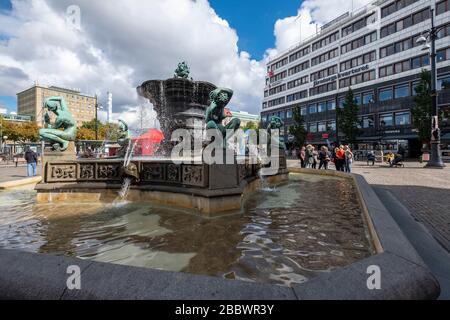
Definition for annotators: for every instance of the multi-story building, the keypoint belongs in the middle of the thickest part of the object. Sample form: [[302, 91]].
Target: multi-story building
[[374, 52], [30, 102]]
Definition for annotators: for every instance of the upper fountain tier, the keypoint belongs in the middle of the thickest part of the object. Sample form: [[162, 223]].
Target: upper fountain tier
[[179, 102]]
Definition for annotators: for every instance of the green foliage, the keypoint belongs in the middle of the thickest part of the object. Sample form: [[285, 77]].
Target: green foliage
[[348, 118], [109, 131], [298, 129], [20, 132], [422, 112], [251, 126]]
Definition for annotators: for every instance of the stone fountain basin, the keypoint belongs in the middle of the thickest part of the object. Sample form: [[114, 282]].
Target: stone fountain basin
[[403, 273]]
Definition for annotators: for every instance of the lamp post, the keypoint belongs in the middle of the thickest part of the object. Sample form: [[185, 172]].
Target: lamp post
[[428, 39], [97, 107]]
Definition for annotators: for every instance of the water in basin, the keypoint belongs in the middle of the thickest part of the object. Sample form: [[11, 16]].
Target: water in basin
[[286, 235]]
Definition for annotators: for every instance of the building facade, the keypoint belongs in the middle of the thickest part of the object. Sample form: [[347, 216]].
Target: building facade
[[374, 52], [30, 102]]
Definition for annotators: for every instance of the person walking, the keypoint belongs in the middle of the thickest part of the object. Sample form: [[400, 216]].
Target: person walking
[[324, 158], [348, 157], [340, 159], [315, 158], [31, 158], [303, 157], [309, 156]]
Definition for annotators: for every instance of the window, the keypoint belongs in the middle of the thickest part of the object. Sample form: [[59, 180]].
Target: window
[[385, 94], [331, 105], [322, 126], [386, 120], [401, 91], [301, 53], [298, 68], [402, 119], [289, 114], [341, 102], [368, 121], [303, 111], [313, 127], [362, 41], [368, 98], [358, 25], [323, 88], [312, 108], [325, 41], [443, 83], [358, 99], [405, 23], [413, 88], [331, 125], [321, 107], [358, 61], [442, 7]]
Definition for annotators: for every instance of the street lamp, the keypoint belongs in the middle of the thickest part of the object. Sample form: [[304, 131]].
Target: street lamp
[[428, 39], [97, 107]]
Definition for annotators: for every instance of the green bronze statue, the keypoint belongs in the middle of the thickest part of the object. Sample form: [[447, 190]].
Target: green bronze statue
[[123, 138], [63, 130], [275, 123], [215, 113], [182, 70]]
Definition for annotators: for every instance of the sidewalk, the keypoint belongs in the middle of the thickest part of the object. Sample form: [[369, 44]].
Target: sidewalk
[[13, 173]]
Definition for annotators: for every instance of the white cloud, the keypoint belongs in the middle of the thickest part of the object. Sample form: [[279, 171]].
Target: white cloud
[[122, 44], [311, 15]]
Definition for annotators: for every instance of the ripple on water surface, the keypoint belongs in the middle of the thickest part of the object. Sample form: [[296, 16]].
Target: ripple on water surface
[[285, 235]]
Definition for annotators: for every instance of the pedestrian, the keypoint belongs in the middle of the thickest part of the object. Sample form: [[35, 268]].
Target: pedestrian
[[324, 158], [309, 156], [315, 158], [340, 159], [303, 157], [31, 158], [348, 157]]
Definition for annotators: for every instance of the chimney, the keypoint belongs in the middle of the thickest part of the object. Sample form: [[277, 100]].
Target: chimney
[[109, 116]]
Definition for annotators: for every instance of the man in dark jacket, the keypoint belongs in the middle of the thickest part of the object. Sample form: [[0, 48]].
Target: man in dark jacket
[[31, 159]]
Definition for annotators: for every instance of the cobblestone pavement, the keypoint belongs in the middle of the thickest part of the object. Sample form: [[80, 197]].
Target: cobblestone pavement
[[424, 192], [11, 173]]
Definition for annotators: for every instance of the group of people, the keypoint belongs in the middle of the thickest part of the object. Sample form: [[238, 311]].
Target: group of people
[[342, 157]]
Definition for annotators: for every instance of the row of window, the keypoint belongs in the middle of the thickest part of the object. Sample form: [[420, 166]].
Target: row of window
[[361, 23], [325, 57], [357, 79], [405, 22], [322, 126], [442, 7], [443, 55], [323, 88], [392, 28], [405, 65], [299, 68], [279, 64], [298, 82], [358, 61], [276, 102], [297, 55], [386, 120], [277, 89], [395, 6], [399, 46], [278, 77], [324, 73], [325, 41], [297, 96], [360, 42]]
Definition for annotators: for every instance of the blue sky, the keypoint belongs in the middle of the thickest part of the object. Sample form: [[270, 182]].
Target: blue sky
[[253, 21]]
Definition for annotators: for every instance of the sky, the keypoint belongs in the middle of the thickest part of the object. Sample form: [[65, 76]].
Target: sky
[[117, 47]]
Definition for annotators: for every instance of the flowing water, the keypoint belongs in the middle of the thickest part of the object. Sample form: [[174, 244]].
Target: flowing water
[[310, 225]]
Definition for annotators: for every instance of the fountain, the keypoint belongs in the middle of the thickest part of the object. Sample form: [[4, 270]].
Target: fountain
[[208, 189]]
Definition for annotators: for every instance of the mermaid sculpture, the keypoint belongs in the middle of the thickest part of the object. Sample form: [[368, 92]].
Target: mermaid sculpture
[[63, 130]]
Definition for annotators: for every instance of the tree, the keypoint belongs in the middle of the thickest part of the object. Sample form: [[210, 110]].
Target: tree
[[298, 130], [21, 132], [348, 121], [85, 134], [251, 126], [422, 111]]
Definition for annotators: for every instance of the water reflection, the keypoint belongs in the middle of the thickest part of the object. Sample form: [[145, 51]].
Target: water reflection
[[307, 226]]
